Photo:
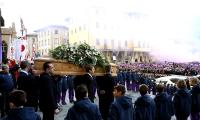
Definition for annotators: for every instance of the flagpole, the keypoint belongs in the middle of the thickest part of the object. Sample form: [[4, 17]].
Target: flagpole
[[1, 24]]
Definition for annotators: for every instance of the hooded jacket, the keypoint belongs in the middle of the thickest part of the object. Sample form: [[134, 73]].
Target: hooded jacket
[[26, 113], [164, 106], [182, 103], [122, 109], [145, 108], [84, 110], [195, 99]]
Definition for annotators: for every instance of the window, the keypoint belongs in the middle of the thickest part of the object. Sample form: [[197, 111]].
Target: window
[[139, 44], [4, 46], [97, 42], [126, 43], [105, 44], [56, 32], [112, 43]]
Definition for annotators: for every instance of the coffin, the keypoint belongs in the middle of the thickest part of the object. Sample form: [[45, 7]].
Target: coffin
[[65, 68]]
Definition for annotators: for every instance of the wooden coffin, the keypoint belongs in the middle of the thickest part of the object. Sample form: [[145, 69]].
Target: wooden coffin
[[65, 68]]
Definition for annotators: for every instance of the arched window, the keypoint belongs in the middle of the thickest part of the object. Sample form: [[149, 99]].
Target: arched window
[[4, 46]]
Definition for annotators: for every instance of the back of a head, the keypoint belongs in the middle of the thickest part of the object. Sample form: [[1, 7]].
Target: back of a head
[[108, 68], [88, 68], [46, 65], [24, 64], [143, 89], [181, 84], [160, 88], [81, 92], [120, 88], [17, 97], [194, 81]]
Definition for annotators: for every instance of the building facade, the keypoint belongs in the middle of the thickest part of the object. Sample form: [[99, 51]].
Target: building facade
[[104, 30], [8, 34], [49, 38], [32, 46]]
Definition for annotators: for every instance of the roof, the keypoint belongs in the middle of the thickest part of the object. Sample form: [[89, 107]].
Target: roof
[[52, 26]]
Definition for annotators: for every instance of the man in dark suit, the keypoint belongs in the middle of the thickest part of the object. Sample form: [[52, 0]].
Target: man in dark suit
[[87, 80], [47, 98], [105, 86], [27, 83]]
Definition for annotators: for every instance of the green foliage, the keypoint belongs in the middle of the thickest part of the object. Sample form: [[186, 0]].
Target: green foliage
[[79, 54]]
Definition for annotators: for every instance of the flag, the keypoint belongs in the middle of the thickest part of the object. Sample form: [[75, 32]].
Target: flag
[[20, 49]]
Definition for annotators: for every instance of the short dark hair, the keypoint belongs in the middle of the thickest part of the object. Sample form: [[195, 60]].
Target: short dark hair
[[181, 84], [24, 64], [120, 88], [108, 68], [160, 88], [46, 65], [143, 89], [81, 92], [17, 97], [88, 68]]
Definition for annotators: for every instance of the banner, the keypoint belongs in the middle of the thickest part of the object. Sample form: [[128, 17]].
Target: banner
[[19, 49]]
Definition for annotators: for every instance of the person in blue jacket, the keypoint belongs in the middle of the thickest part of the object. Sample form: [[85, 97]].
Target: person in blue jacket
[[6, 86], [119, 77], [164, 105], [17, 100], [144, 107], [195, 94], [83, 108], [122, 107], [182, 101]]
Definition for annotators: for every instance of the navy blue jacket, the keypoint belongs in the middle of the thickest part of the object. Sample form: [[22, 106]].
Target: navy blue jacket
[[120, 79], [6, 82], [122, 109], [182, 103], [84, 110], [195, 99], [129, 76], [64, 82], [145, 108], [70, 82], [164, 106], [26, 113]]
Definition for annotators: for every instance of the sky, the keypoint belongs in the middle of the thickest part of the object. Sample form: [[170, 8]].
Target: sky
[[172, 27]]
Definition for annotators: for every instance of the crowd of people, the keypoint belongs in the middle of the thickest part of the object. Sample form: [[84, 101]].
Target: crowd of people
[[167, 68], [23, 93]]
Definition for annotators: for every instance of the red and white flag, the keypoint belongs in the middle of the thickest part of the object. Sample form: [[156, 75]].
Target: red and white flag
[[19, 49]]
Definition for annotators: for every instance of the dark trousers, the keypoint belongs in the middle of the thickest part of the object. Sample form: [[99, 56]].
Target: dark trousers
[[195, 116], [104, 105], [181, 117], [48, 114], [63, 95], [71, 94], [4, 106]]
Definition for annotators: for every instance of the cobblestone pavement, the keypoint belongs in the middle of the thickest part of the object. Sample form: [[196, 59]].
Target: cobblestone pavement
[[62, 114]]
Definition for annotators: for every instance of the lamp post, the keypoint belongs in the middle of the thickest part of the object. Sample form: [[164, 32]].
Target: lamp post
[[1, 24]]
